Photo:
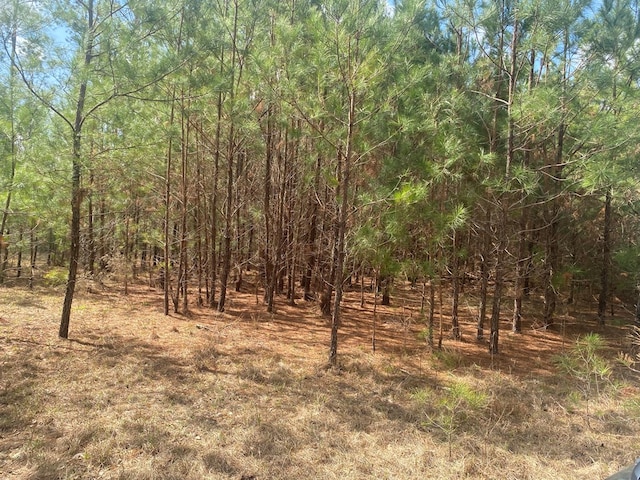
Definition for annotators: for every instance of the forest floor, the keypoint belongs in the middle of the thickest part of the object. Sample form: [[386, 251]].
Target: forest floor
[[134, 394]]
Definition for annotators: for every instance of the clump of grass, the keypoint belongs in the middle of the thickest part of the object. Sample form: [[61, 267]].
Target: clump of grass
[[220, 462], [205, 357], [448, 359]]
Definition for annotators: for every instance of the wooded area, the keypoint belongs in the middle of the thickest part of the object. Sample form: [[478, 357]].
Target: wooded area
[[452, 144]]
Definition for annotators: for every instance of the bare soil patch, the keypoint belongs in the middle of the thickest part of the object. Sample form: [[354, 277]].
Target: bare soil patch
[[245, 394]]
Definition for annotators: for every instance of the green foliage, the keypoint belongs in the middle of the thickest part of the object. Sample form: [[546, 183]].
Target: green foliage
[[587, 367], [410, 193], [449, 411], [448, 359], [585, 364], [55, 277]]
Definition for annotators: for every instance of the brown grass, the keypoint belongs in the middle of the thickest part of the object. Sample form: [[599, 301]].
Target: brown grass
[[137, 395]]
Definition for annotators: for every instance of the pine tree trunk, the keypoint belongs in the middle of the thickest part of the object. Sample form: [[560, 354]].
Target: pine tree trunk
[[213, 254], [74, 251], [269, 267], [19, 260], [340, 239], [184, 175], [455, 294], [91, 239], [638, 306], [76, 168], [551, 265], [166, 273], [432, 311], [521, 262], [311, 237], [498, 279], [484, 277], [228, 222], [125, 262], [231, 152], [4, 252], [606, 259], [33, 247]]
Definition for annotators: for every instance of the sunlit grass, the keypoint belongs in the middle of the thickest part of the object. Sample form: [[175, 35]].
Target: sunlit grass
[[136, 395]]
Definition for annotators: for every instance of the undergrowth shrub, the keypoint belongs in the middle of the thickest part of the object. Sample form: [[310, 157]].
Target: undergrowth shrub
[[55, 277], [450, 410], [584, 364], [448, 359]]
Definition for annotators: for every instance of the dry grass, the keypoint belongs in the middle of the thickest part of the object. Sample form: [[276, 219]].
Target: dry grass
[[136, 395]]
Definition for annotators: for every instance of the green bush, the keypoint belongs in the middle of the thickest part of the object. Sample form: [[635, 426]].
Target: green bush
[[585, 365], [55, 277]]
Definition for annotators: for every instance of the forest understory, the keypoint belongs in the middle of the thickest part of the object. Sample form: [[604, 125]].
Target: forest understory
[[245, 394]]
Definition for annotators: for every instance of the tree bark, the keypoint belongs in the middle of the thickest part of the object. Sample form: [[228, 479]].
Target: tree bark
[[340, 236], [455, 294], [497, 291], [521, 263], [484, 277], [228, 223], [76, 194], [4, 246], [231, 151], [606, 259], [311, 236]]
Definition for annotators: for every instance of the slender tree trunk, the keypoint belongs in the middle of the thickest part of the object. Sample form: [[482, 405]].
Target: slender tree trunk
[[606, 258], [432, 311], [516, 324], [484, 277], [231, 152], [184, 178], [127, 242], [213, 262], [340, 234], [269, 266], [375, 313], [166, 277], [19, 260], [311, 235], [33, 247], [226, 258], [51, 248], [76, 194], [455, 325], [241, 194], [552, 260], [327, 293], [199, 221], [551, 266], [102, 244], [503, 243], [440, 313], [498, 279], [91, 240], [638, 306], [13, 153], [523, 260]]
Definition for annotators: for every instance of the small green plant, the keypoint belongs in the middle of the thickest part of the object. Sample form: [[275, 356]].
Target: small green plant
[[448, 359], [453, 409], [584, 363], [56, 277]]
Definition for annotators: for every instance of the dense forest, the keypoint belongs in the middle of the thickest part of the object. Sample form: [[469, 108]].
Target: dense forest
[[319, 145]]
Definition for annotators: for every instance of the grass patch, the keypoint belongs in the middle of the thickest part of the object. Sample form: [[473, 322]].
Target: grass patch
[[137, 395]]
